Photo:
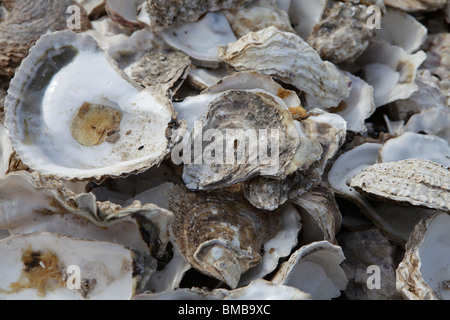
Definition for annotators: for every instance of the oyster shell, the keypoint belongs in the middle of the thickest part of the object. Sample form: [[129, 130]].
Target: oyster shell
[[36, 266], [416, 181], [320, 214], [416, 5], [305, 14], [433, 121], [257, 290], [163, 13], [315, 269], [423, 273], [229, 232], [18, 36], [265, 51], [125, 13], [6, 151], [343, 33], [83, 140]]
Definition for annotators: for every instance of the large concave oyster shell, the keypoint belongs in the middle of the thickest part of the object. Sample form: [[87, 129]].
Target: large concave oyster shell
[[266, 51], [36, 266], [220, 233], [423, 274], [72, 113]]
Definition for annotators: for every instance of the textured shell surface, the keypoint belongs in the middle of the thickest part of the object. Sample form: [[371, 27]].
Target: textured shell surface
[[163, 14], [423, 273], [103, 112], [343, 33], [265, 51], [415, 181], [229, 232], [25, 22], [36, 265]]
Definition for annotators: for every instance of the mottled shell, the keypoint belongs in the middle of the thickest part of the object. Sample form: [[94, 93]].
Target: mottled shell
[[415, 181], [25, 22], [236, 112], [220, 234], [169, 69], [166, 13], [343, 33], [266, 51], [423, 273]]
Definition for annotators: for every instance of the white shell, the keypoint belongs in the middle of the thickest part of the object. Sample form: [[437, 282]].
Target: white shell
[[413, 145], [81, 79], [416, 5], [415, 181], [124, 12], [424, 272], [265, 51], [35, 266], [315, 269], [6, 151], [434, 121], [200, 39], [305, 14]]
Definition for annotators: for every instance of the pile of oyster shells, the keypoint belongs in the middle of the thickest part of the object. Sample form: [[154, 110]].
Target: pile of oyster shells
[[101, 196]]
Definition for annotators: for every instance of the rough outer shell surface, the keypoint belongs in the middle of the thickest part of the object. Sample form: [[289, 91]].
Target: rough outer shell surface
[[60, 126], [229, 232], [419, 182], [423, 273], [25, 22], [266, 51]]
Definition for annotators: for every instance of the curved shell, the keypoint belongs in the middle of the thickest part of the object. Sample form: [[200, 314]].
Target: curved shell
[[70, 109], [38, 265], [315, 269], [25, 22], [415, 181], [265, 51], [229, 232], [423, 273], [416, 5]]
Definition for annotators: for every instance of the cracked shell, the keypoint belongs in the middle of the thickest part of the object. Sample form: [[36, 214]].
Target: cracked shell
[[72, 113], [220, 234]]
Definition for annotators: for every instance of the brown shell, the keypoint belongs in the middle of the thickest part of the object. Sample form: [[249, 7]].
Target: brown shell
[[220, 233], [26, 22]]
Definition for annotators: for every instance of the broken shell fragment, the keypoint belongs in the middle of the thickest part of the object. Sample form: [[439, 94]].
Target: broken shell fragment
[[265, 51], [418, 182], [229, 232], [38, 266], [60, 126], [423, 273]]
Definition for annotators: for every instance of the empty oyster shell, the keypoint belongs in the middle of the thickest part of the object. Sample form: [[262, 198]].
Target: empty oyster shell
[[305, 14], [72, 113], [36, 266], [124, 13], [423, 273], [265, 51], [434, 121], [229, 232], [315, 269], [17, 37], [416, 181]]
